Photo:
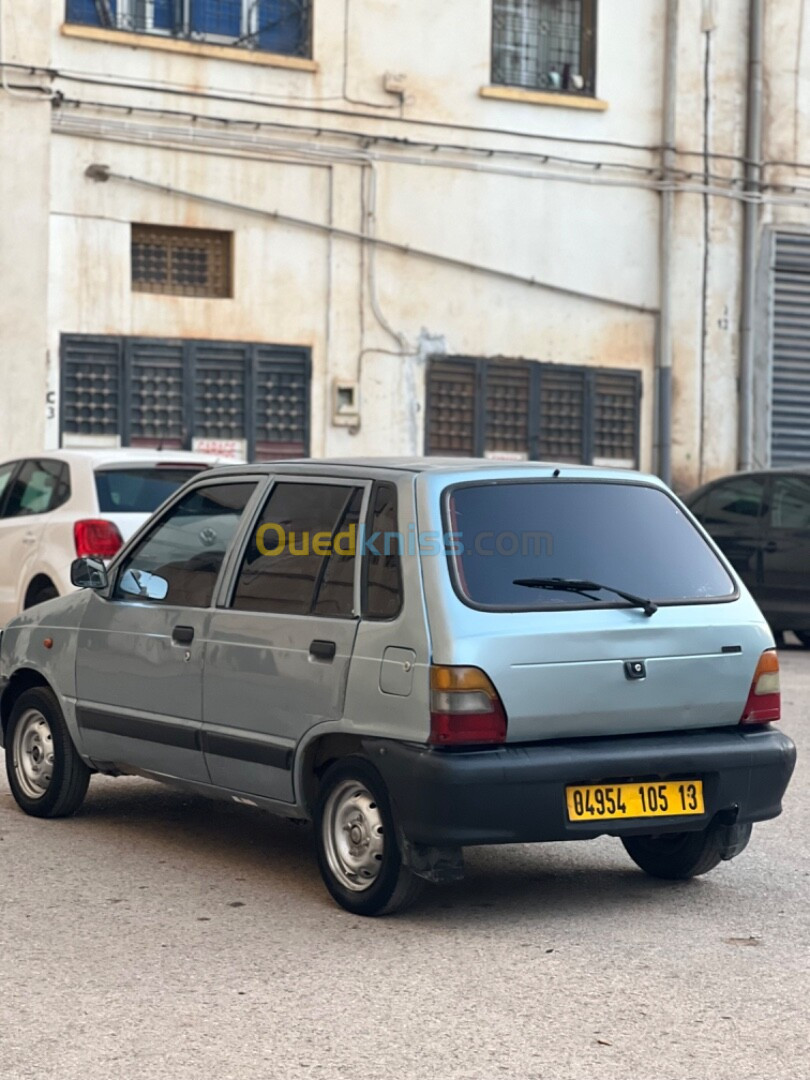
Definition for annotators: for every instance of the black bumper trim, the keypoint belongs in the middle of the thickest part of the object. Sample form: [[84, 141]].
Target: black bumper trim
[[516, 794]]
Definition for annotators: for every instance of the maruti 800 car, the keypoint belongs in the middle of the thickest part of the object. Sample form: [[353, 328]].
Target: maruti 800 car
[[418, 656]]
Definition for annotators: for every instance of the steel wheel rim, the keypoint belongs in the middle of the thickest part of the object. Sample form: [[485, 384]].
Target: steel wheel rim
[[353, 836], [33, 754]]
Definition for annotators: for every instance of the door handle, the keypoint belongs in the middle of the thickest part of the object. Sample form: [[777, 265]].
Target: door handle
[[183, 635], [772, 546], [29, 538], [323, 650]]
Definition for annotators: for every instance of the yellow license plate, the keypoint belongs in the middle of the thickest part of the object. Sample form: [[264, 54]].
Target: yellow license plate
[[611, 802]]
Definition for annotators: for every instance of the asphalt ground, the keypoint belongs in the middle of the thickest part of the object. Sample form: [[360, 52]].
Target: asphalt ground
[[156, 935]]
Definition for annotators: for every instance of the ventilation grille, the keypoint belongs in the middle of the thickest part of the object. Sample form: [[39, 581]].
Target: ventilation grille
[[181, 262]]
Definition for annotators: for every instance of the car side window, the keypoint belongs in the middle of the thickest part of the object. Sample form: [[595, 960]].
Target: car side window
[[383, 584], [39, 487], [6, 473], [790, 502], [734, 502], [301, 558], [179, 561]]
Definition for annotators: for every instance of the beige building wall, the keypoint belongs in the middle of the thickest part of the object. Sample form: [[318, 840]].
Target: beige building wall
[[545, 214]]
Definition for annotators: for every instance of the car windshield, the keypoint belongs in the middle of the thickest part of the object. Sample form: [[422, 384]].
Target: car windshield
[[140, 489], [626, 536]]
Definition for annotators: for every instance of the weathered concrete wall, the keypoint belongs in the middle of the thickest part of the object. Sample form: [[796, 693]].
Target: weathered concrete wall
[[24, 197], [562, 196]]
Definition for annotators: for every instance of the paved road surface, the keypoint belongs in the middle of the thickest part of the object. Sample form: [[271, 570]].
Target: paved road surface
[[160, 936]]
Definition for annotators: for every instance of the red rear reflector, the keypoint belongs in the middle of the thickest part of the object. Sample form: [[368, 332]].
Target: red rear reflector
[[96, 537], [465, 708], [764, 704]]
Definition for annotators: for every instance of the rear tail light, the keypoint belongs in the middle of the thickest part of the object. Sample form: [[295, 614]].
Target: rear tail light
[[464, 708], [96, 537], [764, 703]]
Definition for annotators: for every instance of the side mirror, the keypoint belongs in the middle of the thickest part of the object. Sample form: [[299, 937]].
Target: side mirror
[[88, 573]]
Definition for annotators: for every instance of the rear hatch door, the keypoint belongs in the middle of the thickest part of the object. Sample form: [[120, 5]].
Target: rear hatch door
[[585, 662]]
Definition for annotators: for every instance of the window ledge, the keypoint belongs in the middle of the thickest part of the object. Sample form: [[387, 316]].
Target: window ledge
[[187, 48], [543, 97]]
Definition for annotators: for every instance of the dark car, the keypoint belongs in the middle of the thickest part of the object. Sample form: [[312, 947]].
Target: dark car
[[761, 520]]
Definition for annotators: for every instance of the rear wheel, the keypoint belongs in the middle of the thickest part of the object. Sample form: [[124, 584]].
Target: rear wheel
[[358, 853], [45, 773], [804, 637], [676, 856]]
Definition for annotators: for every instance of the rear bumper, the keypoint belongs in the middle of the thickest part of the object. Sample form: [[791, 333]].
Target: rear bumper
[[517, 794]]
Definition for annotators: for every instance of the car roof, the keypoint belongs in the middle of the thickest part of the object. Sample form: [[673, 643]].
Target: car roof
[[451, 467], [773, 470], [108, 457]]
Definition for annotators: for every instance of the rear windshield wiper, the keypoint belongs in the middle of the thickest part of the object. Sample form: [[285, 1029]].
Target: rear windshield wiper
[[585, 587]]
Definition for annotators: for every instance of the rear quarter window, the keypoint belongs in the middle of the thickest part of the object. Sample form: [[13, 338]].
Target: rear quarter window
[[140, 489], [633, 537]]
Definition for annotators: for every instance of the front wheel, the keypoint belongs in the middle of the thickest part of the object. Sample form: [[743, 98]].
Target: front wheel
[[47, 777], [358, 853], [676, 856]]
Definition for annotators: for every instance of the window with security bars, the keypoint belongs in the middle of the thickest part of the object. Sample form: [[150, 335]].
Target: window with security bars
[[181, 262], [525, 410], [545, 45], [277, 26], [253, 399]]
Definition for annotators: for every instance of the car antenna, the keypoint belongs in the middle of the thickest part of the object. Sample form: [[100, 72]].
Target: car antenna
[[556, 473]]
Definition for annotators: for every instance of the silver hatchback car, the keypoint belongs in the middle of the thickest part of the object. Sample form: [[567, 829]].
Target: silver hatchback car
[[418, 655]]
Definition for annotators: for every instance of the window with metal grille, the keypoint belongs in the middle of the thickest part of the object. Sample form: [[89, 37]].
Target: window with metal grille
[[528, 410], [278, 26], [545, 44], [181, 262], [229, 396]]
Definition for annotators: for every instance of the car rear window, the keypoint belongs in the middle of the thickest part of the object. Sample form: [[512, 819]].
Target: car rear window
[[140, 489], [632, 537]]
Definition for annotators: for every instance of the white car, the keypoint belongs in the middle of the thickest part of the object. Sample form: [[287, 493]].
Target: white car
[[63, 504]]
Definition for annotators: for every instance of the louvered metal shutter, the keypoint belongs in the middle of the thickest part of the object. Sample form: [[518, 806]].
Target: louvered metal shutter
[[562, 415], [91, 386], [220, 373], [155, 394], [507, 410], [790, 396], [451, 408], [281, 405], [616, 419]]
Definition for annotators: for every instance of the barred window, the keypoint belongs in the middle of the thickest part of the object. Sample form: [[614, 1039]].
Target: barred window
[[225, 397], [545, 45], [525, 410], [181, 262], [279, 26]]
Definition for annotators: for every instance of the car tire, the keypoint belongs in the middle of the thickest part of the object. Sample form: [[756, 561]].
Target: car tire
[[358, 853], [804, 637], [47, 777], [676, 856]]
